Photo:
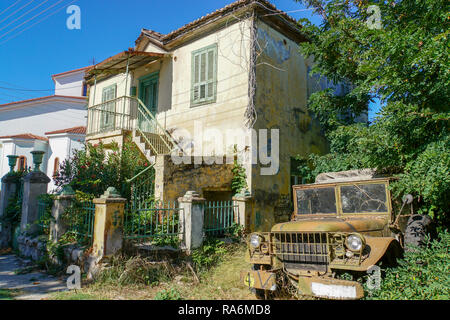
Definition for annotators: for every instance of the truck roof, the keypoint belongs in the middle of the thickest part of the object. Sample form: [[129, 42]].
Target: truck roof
[[348, 176]]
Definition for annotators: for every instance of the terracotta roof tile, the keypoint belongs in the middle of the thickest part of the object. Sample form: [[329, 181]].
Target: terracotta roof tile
[[75, 130], [228, 8], [27, 136]]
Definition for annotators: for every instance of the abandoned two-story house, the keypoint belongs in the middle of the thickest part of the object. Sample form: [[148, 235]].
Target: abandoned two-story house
[[235, 69]]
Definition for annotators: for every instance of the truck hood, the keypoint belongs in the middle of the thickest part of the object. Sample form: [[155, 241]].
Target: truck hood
[[333, 224]]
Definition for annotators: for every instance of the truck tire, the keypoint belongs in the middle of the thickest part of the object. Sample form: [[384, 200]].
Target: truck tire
[[417, 228], [259, 293]]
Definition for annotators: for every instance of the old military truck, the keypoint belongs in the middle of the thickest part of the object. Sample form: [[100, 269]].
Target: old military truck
[[343, 222]]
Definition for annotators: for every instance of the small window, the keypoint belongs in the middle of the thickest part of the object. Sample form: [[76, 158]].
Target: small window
[[22, 165], [108, 107], [56, 167], [204, 75]]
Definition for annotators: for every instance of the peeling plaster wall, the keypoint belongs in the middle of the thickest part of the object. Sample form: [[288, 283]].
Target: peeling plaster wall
[[281, 97], [172, 181], [227, 112]]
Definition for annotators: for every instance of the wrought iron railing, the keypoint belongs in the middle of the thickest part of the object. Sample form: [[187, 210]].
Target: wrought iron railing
[[220, 217], [129, 113], [153, 220], [141, 188], [116, 114], [43, 220], [152, 132], [80, 221]]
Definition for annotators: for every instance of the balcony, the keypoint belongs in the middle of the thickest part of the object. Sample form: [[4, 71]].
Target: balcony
[[129, 115]]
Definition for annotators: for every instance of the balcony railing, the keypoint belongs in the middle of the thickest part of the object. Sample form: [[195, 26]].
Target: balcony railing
[[116, 114], [130, 114]]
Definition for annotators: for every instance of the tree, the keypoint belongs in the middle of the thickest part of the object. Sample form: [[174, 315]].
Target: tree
[[404, 64]]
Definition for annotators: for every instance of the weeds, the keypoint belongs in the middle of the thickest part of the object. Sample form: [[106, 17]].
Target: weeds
[[136, 271], [423, 274], [168, 294]]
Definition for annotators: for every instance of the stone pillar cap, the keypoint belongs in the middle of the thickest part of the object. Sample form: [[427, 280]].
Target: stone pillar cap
[[191, 196], [111, 192]]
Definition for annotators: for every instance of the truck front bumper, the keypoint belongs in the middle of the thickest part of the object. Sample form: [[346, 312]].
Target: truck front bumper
[[330, 288], [259, 279]]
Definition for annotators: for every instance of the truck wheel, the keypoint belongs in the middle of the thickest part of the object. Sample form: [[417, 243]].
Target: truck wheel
[[417, 228], [259, 293]]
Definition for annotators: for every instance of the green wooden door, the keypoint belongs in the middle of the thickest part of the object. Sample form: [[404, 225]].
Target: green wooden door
[[148, 91]]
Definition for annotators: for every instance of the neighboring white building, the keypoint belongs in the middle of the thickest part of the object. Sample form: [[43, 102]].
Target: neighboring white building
[[55, 124]]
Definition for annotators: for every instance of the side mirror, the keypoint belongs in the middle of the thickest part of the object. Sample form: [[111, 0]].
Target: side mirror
[[407, 199]]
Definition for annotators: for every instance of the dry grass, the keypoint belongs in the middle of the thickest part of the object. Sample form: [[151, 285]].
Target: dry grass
[[124, 281]]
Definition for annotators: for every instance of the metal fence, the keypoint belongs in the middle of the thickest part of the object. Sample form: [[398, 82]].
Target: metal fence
[[43, 218], [80, 221], [220, 217], [153, 220]]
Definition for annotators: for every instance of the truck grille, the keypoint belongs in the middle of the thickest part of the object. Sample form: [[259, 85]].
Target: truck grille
[[297, 250]]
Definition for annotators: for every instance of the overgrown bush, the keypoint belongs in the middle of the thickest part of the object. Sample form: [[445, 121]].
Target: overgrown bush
[[423, 274], [92, 170], [239, 178], [209, 254]]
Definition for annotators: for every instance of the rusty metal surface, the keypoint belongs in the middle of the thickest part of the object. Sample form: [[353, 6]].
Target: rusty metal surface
[[334, 224], [259, 279]]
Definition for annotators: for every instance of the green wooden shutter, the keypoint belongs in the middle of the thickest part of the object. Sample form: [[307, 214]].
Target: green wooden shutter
[[109, 108], [204, 75]]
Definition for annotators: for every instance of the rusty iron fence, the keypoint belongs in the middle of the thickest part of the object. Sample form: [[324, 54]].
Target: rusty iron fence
[[220, 217], [153, 221]]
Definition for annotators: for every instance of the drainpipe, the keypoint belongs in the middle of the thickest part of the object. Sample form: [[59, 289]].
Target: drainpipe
[[124, 99]]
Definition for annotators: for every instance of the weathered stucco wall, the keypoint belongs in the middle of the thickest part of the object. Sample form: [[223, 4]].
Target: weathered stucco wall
[[232, 83], [172, 180], [281, 97]]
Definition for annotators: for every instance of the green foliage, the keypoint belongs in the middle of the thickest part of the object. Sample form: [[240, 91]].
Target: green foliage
[[168, 294], [93, 170], [209, 254], [423, 274], [235, 232], [239, 179], [405, 65]]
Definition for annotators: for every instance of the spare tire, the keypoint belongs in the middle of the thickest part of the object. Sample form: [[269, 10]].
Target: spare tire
[[417, 228]]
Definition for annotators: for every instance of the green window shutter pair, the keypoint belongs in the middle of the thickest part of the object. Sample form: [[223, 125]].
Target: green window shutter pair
[[204, 75], [108, 107]]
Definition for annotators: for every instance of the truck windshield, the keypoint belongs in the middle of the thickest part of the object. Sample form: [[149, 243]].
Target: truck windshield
[[363, 198], [314, 201]]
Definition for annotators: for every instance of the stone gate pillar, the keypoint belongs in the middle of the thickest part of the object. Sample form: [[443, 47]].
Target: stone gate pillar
[[192, 217], [10, 183], [34, 184], [108, 223], [245, 206], [61, 202]]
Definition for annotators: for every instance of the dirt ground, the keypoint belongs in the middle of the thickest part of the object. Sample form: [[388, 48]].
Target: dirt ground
[[20, 281]]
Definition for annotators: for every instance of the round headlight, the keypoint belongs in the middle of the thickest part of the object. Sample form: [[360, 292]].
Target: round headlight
[[354, 242], [255, 240]]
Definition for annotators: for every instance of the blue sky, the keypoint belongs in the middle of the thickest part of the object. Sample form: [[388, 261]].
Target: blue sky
[[31, 52]]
